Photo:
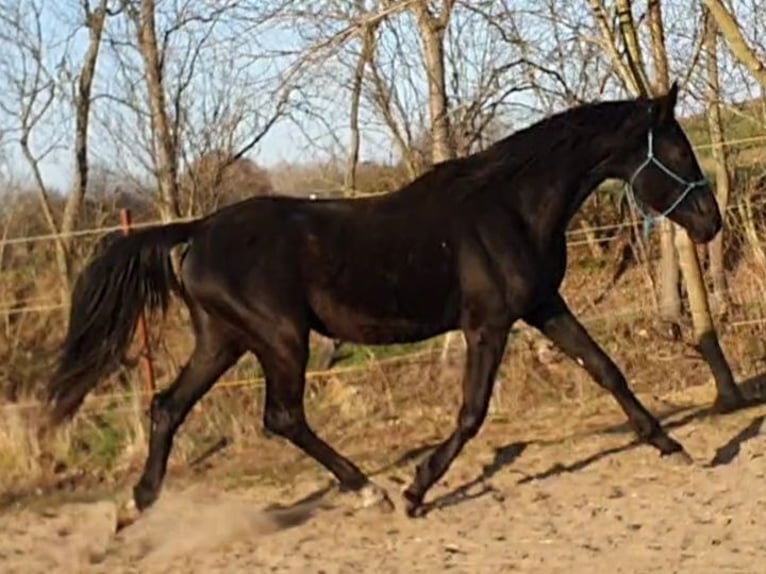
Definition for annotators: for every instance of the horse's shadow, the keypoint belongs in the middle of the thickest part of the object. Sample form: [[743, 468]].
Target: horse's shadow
[[319, 498], [753, 389], [754, 392], [504, 456], [727, 452]]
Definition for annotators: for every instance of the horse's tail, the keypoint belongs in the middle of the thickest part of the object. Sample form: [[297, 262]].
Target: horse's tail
[[130, 273]]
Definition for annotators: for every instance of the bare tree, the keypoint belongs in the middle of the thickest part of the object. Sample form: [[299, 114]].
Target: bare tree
[[432, 27], [29, 101], [670, 298], [213, 180], [629, 33], [32, 102], [704, 330], [143, 13], [722, 174], [731, 31], [690, 265], [453, 115], [366, 52], [95, 19], [623, 38], [610, 44], [192, 82]]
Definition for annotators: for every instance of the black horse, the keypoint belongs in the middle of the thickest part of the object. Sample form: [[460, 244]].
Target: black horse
[[474, 244]]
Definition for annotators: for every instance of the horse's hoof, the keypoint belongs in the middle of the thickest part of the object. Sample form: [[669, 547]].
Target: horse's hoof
[[414, 507], [143, 497], [679, 458], [416, 510], [369, 496], [373, 496]]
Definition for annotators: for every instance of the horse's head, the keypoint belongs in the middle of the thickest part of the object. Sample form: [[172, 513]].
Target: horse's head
[[663, 173]]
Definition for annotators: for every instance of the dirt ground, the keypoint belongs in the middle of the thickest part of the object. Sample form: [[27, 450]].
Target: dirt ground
[[546, 493]]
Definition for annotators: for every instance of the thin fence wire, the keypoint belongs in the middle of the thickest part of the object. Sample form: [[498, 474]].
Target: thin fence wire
[[41, 305], [140, 225], [117, 227], [99, 402], [22, 306], [258, 381], [45, 304]]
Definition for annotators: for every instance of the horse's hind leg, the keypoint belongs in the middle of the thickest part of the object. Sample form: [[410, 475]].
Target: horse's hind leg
[[283, 359], [214, 352], [485, 351]]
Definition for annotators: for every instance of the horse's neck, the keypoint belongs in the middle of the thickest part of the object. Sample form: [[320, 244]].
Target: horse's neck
[[558, 202], [550, 200], [587, 185]]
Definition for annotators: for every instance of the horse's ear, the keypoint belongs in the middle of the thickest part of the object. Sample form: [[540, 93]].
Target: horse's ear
[[672, 96], [663, 107]]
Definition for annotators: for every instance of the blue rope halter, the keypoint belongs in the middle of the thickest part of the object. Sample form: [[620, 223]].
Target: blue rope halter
[[649, 220]]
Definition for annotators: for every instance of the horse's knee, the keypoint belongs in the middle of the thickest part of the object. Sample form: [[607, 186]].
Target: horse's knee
[[161, 413], [282, 421], [469, 422]]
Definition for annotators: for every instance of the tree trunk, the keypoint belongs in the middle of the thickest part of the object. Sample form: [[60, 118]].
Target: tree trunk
[[633, 46], [431, 30], [670, 297], [609, 43], [722, 175], [95, 22], [353, 147], [704, 331], [729, 396], [659, 51], [165, 144], [383, 100], [727, 25], [368, 45]]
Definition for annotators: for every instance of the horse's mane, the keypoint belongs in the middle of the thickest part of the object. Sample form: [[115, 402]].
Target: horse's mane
[[525, 148]]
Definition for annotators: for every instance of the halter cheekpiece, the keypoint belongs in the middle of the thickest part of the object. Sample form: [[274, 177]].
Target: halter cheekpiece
[[648, 219]]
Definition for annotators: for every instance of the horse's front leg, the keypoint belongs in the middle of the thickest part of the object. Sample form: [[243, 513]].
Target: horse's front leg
[[556, 321]]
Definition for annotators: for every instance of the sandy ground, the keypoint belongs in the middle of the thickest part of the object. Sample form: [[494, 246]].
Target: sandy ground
[[541, 495]]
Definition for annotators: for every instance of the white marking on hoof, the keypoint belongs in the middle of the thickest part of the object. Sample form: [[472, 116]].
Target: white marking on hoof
[[680, 458], [372, 495], [127, 514]]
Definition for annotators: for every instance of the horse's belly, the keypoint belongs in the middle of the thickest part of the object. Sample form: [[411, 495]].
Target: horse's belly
[[384, 316], [370, 285], [347, 325]]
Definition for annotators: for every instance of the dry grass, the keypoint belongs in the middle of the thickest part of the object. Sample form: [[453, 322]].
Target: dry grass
[[374, 413]]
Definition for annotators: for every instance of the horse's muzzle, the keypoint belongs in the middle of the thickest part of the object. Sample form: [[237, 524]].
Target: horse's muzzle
[[706, 229]]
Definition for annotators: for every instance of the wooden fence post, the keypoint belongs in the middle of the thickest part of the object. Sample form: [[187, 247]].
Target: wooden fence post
[[146, 354]]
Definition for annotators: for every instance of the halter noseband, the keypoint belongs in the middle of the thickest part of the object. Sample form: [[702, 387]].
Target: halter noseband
[[650, 220]]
